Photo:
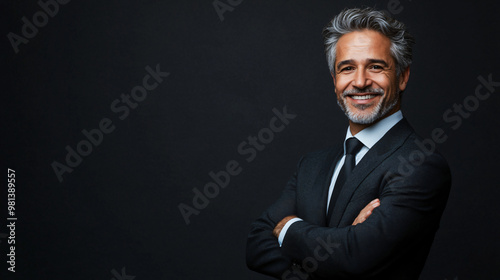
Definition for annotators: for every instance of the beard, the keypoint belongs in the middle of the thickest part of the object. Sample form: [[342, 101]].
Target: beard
[[360, 117]]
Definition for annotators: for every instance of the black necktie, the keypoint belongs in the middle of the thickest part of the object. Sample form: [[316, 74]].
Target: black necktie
[[352, 147]]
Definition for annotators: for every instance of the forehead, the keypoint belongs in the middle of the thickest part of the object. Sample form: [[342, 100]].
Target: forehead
[[364, 44]]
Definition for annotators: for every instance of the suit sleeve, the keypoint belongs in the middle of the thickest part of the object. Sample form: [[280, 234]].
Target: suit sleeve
[[411, 207], [263, 252]]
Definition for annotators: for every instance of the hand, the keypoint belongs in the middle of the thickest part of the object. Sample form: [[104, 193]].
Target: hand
[[281, 224], [366, 212]]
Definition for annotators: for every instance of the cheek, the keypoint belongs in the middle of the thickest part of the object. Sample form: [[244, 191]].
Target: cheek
[[386, 84], [340, 86]]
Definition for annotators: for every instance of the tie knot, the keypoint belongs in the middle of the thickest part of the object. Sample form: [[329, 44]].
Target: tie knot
[[352, 146]]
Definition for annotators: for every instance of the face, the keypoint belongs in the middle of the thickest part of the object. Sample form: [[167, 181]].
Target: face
[[366, 83]]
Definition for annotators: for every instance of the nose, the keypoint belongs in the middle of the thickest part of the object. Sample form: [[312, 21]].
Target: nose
[[361, 79]]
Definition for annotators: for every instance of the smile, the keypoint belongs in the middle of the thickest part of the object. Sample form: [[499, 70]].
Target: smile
[[362, 97]]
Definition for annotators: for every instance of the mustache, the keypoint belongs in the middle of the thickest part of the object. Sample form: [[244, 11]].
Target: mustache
[[364, 90]]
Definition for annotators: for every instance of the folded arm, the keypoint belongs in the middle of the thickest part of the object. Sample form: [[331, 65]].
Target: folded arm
[[264, 254], [410, 209]]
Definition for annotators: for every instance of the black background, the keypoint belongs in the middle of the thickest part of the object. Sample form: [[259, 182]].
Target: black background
[[119, 207]]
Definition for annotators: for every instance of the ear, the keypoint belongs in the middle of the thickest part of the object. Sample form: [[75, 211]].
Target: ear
[[334, 81], [403, 79]]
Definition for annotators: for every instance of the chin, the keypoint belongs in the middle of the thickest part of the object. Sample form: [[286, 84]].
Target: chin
[[367, 113], [363, 114], [363, 119]]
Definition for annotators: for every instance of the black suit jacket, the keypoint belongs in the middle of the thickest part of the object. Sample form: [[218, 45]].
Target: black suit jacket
[[412, 183]]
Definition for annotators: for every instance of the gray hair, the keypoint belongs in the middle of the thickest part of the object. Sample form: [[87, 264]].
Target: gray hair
[[356, 19]]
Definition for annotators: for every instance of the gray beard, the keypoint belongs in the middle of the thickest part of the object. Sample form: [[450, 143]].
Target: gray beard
[[361, 118]]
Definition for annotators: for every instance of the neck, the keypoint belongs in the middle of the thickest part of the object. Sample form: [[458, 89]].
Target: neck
[[357, 127]]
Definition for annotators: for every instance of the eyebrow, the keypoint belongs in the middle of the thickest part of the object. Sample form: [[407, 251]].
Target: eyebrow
[[344, 62], [371, 60], [381, 61]]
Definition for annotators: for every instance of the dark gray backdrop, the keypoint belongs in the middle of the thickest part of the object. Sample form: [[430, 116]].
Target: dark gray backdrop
[[116, 214]]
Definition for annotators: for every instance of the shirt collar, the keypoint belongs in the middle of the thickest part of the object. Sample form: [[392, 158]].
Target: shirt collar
[[372, 134]]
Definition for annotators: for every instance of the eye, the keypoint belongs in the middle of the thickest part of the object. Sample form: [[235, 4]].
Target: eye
[[376, 67], [347, 68]]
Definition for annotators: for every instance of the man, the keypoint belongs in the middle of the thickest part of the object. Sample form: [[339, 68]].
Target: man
[[369, 208]]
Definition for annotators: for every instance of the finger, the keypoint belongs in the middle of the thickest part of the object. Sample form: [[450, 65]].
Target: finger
[[370, 207], [375, 201], [367, 214]]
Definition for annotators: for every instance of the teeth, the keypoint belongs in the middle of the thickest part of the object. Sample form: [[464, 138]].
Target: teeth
[[362, 97]]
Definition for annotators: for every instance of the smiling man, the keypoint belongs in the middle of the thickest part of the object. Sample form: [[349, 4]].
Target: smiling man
[[365, 78], [354, 211]]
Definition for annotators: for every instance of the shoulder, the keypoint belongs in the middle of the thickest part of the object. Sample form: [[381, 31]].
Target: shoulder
[[321, 155], [418, 162], [419, 150], [411, 146], [314, 162]]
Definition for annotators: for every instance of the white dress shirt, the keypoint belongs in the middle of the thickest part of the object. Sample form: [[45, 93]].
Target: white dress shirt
[[369, 137]]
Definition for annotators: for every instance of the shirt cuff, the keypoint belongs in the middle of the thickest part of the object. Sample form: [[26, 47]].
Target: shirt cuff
[[285, 228]]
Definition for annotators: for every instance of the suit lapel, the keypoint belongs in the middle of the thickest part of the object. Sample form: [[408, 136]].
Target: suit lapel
[[321, 185], [391, 141]]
